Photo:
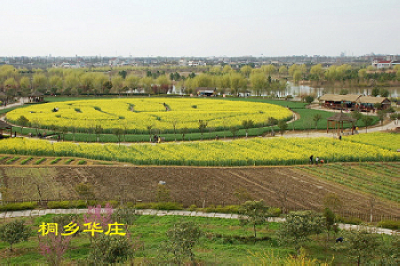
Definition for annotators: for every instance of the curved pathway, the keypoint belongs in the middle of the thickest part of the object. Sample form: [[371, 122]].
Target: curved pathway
[[30, 213]]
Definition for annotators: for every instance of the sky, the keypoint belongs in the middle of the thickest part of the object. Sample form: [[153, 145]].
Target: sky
[[187, 28]]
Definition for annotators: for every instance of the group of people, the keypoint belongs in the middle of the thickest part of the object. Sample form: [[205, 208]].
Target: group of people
[[156, 139], [317, 160]]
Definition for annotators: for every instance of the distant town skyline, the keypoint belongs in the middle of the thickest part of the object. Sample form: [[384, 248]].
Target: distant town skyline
[[199, 29]]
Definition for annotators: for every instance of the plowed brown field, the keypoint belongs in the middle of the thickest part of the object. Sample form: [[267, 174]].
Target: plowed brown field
[[285, 187]]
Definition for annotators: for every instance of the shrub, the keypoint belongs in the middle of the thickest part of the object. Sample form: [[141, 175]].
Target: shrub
[[130, 204], [92, 202], [182, 238], [391, 224], [106, 249], [58, 205], [227, 209], [82, 162], [14, 232], [143, 205], [18, 206], [275, 212], [166, 206], [192, 207], [79, 204], [112, 203]]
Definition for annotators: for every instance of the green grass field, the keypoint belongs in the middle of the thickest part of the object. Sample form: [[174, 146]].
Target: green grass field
[[217, 245]]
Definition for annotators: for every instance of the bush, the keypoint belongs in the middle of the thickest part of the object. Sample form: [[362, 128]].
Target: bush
[[14, 232], [112, 203], [192, 207], [92, 203], [227, 209], [166, 206], [79, 204], [18, 206], [82, 162], [275, 212], [391, 224], [143, 205], [110, 249], [130, 204], [58, 205]]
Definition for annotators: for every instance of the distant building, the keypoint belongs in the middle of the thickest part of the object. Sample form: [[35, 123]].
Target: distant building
[[384, 63], [206, 92], [355, 102]]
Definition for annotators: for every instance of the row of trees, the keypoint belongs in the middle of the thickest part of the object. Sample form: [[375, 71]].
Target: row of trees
[[265, 80]]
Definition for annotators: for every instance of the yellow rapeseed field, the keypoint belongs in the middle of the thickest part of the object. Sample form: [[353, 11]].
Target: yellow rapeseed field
[[141, 113], [256, 151]]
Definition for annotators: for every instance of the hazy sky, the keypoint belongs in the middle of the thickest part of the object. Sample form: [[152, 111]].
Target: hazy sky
[[199, 28]]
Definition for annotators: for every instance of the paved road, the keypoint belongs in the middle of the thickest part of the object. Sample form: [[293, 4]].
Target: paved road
[[30, 213], [20, 102]]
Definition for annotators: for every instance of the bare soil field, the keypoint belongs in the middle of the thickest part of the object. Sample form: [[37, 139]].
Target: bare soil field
[[289, 188]]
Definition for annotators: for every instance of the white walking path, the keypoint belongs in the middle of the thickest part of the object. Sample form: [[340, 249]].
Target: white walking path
[[30, 213]]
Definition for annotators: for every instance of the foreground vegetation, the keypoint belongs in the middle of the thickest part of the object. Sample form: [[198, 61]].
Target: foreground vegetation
[[272, 151], [173, 239]]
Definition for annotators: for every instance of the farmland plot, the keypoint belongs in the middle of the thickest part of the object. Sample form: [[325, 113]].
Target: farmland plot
[[284, 187]]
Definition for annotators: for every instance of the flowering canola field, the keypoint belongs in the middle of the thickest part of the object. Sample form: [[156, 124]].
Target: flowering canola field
[[141, 113], [256, 151], [389, 141]]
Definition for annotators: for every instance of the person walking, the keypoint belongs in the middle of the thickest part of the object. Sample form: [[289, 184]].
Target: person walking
[[311, 159], [316, 160]]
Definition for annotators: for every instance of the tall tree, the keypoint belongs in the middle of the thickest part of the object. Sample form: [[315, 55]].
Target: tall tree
[[117, 84], [283, 71], [132, 81], [259, 83], [246, 70], [254, 213], [237, 81], [40, 82]]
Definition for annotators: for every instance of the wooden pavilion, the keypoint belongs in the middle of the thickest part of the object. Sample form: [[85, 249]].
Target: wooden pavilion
[[5, 126], [339, 119]]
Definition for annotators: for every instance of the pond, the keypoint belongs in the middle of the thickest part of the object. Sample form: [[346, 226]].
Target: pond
[[296, 90]]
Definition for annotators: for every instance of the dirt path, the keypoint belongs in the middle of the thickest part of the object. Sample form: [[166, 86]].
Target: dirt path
[[20, 102]]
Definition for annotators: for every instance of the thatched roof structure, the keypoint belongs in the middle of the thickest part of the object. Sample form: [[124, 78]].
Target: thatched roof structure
[[37, 94], [373, 100], [339, 98], [341, 117]]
